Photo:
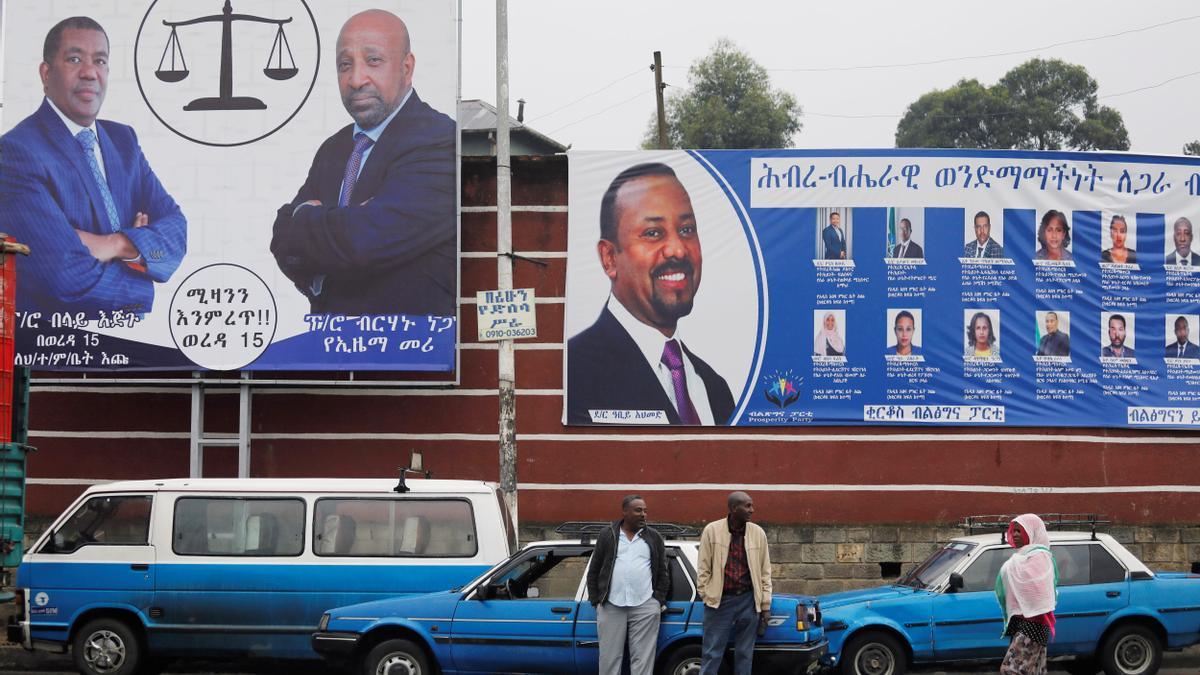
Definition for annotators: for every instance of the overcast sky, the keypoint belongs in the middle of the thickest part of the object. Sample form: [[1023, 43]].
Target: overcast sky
[[561, 51]]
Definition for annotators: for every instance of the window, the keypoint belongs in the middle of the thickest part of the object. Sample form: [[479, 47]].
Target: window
[[233, 526], [442, 528], [1105, 568], [547, 574], [681, 587], [111, 520], [981, 575], [1074, 565]]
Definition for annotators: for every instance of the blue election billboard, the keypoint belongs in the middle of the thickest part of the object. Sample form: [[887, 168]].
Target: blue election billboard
[[909, 287]]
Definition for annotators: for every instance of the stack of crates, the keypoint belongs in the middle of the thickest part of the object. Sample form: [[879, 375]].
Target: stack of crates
[[14, 416]]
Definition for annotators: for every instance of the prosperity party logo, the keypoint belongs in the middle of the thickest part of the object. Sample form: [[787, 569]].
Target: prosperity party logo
[[782, 388]]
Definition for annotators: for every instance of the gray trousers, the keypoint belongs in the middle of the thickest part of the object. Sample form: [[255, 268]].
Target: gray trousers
[[636, 627]]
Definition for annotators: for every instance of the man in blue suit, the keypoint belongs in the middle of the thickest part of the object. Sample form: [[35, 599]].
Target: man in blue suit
[[833, 238], [80, 192], [372, 230], [1182, 348]]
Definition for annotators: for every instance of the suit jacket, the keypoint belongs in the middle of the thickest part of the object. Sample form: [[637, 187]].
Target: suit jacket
[[393, 254], [1193, 259], [990, 250], [914, 250], [1126, 353], [607, 371], [1057, 343], [835, 245], [48, 193], [1190, 351]]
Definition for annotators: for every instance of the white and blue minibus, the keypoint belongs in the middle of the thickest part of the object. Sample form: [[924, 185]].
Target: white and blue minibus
[[137, 572]]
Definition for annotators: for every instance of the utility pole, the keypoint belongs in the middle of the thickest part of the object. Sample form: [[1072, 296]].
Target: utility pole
[[506, 367], [658, 93]]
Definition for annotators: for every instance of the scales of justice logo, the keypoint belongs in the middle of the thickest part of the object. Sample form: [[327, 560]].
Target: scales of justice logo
[[223, 54]]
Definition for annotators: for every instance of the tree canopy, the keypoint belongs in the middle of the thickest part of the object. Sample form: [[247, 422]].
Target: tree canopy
[[1039, 105], [1192, 148], [729, 103]]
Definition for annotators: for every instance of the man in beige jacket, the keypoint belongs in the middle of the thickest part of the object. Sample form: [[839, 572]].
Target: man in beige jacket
[[735, 585]]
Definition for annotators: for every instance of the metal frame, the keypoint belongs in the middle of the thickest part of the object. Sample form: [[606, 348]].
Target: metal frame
[[587, 530], [1054, 521], [199, 440]]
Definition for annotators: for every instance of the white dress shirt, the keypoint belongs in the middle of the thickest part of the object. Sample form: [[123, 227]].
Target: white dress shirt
[[651, 342], [631, 583], [74, 130]]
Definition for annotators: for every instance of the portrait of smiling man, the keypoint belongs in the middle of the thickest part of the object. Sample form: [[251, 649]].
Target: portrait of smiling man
[[78, 190], [373, 228], [634, 357]]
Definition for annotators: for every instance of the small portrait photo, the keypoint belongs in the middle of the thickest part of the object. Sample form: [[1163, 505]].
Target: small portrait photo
[[1117, 335], [834, 227], [1052, 333], [1181, 330], [1180, 234], [985, 238], [829, 337], [906, 234], [904, 332], [1053, 237], [1118, 239], [982, 334]]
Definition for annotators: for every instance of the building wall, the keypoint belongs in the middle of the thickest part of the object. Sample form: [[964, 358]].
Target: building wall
[[862, 477]]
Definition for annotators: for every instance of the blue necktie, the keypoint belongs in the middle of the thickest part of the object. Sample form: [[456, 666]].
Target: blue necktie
[[87, 139]]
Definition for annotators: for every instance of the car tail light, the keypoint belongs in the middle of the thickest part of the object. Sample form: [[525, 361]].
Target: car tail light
[[817, 614], [808, 617]]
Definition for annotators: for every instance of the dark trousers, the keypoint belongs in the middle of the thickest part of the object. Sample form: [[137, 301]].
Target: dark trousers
[[737, 617]]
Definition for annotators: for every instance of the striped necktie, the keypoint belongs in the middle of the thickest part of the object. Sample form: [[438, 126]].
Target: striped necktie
[[87, 139]]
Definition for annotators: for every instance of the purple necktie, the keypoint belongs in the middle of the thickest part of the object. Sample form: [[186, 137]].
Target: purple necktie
[[361, 143], [672, 358]]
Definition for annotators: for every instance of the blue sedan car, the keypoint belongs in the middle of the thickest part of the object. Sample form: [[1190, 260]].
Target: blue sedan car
[[530, 614], [1113, 613]]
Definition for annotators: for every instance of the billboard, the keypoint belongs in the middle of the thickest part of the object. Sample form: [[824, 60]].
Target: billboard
[[233, 184], [906, 287]]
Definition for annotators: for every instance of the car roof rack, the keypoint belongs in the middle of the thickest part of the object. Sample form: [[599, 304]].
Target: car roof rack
[[1054, 521], [587, 530]]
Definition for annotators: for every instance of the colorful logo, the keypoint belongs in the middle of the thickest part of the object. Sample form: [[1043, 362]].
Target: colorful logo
[[782, 388]]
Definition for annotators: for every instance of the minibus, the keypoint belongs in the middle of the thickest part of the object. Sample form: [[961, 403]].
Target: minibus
[[134, 573]]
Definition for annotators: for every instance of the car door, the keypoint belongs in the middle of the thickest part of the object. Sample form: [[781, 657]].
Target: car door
[[968, 623], [673, 621], [522, 618], [1091, 585]]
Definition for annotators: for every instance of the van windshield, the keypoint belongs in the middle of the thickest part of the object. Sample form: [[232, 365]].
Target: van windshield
[[113, 520]]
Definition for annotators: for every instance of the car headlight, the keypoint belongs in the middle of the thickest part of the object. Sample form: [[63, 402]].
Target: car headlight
[[324, 622]]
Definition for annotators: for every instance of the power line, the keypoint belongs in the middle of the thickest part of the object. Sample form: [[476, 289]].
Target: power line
[[600, 112], [1152, 86], [976, 57], [589, 95]]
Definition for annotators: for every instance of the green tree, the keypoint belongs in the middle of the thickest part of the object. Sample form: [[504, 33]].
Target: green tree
[[1192, 148], [729, 103], [1039, 105]]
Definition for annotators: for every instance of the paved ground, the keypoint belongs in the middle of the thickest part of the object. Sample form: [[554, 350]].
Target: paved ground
[[15, 660]]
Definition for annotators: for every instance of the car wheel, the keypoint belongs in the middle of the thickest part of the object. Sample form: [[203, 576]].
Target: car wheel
[[1131, 650], [106, 647], [396, 657], [682, 661], [873, 653]]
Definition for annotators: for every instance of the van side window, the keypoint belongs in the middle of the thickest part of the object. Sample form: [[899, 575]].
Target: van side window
[[405, 528], [120, 520], [233, 526]]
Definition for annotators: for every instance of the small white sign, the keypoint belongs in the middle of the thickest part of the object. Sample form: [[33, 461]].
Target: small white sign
[[506, 315]]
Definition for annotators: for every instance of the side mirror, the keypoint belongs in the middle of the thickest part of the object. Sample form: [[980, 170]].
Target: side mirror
[[956, 582], [533, 592]]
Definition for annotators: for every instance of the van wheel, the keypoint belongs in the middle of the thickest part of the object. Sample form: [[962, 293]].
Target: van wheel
[[106, 647], [873, 653], [396, 657], [1131, 650], [682, 661]]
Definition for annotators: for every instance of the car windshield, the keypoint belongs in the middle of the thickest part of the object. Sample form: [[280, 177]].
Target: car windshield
[[937, 565]]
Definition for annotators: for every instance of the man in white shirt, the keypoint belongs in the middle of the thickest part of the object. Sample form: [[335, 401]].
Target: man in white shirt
[[634, 358], [1182, 256]]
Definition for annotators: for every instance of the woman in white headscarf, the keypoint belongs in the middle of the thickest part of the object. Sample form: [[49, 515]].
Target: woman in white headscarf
[[1027, 588], [827, 341]]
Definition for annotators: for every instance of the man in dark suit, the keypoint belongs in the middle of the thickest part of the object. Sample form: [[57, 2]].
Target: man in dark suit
[[907, 248], [1116, 339], [1182, 256], [372, 230], [834, 238], [983, 246], [633, 358], [80, 192], [1054, 342], [1182, 348]]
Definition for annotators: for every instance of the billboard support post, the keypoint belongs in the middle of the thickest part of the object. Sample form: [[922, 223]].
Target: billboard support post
[[658, 94], [504, 264]]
